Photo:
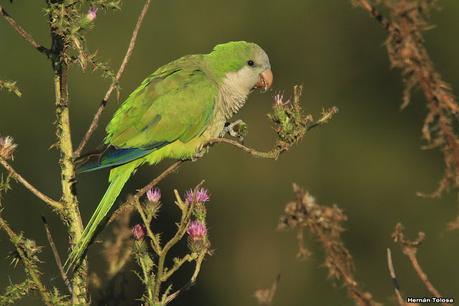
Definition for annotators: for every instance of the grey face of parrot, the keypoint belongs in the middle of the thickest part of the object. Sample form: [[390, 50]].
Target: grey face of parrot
[[256, 73], [237, 85]]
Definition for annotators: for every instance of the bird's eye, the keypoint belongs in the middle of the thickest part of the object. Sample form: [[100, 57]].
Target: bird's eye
[[250, 63]]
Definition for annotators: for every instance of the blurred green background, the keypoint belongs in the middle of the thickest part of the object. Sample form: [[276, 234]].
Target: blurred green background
[[367, 159]]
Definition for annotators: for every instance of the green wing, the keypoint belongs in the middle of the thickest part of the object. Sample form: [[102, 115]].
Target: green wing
[[174, 103]]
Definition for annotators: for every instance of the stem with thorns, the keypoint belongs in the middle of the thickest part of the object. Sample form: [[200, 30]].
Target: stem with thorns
[[71, 213], [30, 268]]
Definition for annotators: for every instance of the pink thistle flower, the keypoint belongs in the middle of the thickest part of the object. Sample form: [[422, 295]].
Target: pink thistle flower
[[92, 14], [197, 230], [154, 195], [201, 196], [138, 231]]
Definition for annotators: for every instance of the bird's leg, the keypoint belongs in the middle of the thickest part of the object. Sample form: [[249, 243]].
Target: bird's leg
[[237, 129], [200, 153]]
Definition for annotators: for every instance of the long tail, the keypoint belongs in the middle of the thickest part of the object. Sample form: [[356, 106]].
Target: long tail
[[118, 177], [110, 156]]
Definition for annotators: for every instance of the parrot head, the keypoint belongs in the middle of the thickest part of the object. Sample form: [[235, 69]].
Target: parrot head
[[242, 64]]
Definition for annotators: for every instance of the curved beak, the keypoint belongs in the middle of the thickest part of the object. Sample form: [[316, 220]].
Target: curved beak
[[266, 80]]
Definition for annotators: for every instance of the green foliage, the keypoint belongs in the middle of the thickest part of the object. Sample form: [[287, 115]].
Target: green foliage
[[14, 293], [4, 187], [57, 299], [26, 250], [11, 87]]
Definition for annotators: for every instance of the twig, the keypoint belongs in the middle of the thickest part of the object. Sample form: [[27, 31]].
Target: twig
[[155, 245], [127, 56], [385, 23], [183, 224], [273, 154], [23, 32], [410, 248], [393, 276], [52, 203], [265, 296], [188, 285], [278, 149], [57, 258], [171, 169], [177, 265], [29, 266]]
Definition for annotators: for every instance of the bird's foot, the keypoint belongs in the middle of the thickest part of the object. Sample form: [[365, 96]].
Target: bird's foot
[[200, 153], [237, 129]]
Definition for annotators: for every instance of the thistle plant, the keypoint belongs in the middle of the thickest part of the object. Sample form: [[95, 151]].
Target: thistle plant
[[151, 255]]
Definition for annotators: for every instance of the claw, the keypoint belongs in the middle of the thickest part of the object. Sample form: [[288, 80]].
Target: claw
[[236, 129], [200, 153]]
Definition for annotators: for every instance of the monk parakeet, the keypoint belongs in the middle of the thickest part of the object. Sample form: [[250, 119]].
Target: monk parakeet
[[172, 114]]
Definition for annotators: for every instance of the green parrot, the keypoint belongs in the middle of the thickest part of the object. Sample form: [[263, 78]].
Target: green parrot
[[172, 114]]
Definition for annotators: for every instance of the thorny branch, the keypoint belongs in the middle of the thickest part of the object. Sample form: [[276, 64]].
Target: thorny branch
[[405, 45], [325, 224], [127, 56], [26, 251]]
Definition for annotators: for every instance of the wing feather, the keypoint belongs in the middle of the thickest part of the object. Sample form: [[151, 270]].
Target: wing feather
[[176, 102]]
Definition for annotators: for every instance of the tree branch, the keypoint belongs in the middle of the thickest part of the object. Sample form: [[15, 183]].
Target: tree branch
[[23, 32], [127, 56], [56, 205]]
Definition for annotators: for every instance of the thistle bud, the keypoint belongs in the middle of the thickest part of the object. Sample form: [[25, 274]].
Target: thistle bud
[[154, 195], [197, 231], [138, 231], [92, 14]]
